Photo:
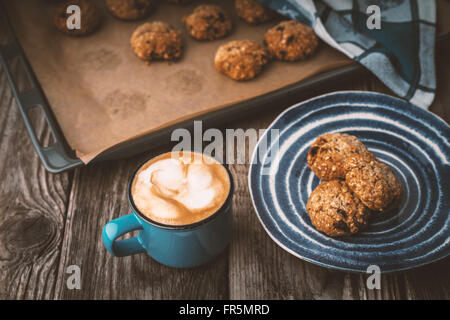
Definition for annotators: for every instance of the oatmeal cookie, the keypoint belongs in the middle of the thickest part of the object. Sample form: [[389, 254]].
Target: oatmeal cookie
[[291, 40], [335, 210], [180, 1], [253, 12], [327, 154], [208, 22], [90, 17], [241, 59], [372, 181], [157, 40], [130, 9]]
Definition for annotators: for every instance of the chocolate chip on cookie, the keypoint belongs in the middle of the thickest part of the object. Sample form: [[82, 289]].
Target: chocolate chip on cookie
[[90, 17], [253, 12], [157, 40], [335, 210], [328, 152], [130, 9], [241, 59], [208, 22], [291, 41], [373, 182]]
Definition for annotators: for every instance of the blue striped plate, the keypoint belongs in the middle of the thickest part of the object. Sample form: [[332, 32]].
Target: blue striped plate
[[413, 142]]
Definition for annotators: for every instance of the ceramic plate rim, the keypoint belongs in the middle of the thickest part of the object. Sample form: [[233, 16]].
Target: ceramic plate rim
[[279, 243]]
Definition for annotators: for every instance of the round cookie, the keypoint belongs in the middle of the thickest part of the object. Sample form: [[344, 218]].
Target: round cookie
[[291, 40], [241, 59], [373, 182], [180, 1], [130, 9], [208, 22], [157, 40], [335, 210], [90, 17], [253, 12], [327, 154]]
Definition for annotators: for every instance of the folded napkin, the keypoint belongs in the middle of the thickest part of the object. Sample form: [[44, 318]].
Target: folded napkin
[[400, 53]]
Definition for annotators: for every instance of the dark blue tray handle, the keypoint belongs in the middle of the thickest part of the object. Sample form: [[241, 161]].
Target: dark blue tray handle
[[55, 157]]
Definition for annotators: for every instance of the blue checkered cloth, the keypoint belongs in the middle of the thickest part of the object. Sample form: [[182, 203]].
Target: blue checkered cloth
[[400, 53]]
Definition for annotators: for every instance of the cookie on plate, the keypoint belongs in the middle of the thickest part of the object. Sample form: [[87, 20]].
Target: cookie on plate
[[328, 152], [253, 12], [90, 17], [208, 22], [130, 9], [157, 40], [335, 210], [291, 40], [372, 181], [241, 59]]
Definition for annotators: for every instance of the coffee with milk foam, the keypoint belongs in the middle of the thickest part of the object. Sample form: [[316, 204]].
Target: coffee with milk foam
[[180, 188]]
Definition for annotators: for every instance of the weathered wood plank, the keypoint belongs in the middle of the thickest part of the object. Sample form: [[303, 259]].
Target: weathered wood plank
[[32, 206], [38, 242], [98, 196]]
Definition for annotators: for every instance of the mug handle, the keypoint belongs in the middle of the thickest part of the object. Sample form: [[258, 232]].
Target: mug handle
[[118, 227]]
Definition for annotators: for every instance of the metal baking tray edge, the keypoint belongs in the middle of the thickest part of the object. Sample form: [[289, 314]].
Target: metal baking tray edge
[[58, 157]]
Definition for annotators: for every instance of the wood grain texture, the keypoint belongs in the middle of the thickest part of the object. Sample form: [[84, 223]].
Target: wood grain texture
[[33, 207], [49, 222]]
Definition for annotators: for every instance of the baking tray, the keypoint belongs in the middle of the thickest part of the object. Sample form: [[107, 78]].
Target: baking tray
[[58, 157]]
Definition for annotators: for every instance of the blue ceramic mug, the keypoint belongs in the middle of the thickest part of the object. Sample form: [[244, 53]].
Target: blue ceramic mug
[[176, 246]]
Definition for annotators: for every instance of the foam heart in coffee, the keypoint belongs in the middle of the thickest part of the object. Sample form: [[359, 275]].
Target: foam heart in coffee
[[180, 189]]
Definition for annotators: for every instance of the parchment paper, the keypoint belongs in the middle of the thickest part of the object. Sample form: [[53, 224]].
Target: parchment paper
[[102, 94]]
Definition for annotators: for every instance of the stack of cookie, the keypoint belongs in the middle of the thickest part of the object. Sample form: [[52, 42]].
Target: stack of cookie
[[354, 185]]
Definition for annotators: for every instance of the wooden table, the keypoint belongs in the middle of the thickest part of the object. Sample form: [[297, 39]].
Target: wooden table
[[49, 222]]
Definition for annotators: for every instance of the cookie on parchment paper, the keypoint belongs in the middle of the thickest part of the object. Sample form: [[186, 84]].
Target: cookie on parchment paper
[[291, 41], [157, 40], [208, 22], [241, 59], [130, 9], [252, 12], [182, 2]]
